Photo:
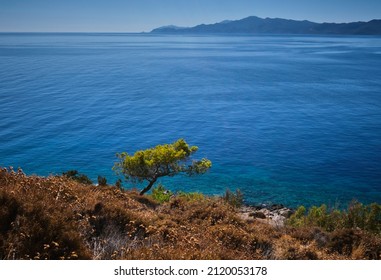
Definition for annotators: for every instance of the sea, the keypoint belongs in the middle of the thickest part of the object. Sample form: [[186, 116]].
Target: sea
[[293, 120]]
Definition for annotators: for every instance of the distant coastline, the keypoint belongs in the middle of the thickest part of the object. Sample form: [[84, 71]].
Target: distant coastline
[[256, 25]]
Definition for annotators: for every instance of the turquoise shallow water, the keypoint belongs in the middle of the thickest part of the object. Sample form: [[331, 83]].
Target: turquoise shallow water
[[287, 119]]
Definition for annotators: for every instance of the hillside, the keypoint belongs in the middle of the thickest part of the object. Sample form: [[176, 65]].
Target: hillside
[[256, 25], [59, 218]]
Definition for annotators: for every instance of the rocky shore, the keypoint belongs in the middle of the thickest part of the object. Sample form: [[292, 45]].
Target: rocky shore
[[275, 214]]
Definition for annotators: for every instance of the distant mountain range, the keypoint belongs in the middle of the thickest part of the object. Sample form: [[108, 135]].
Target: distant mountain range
[[256, 25]]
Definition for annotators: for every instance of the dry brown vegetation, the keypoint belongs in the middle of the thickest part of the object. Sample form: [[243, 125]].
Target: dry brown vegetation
[[59, 218]]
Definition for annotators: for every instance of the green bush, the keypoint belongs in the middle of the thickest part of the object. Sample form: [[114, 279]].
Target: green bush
[[234, 199], [75, 175], [373, 219], [357, 216], [367, 217], [192, 196], [102, 181], [324, 218], [298, 218], [160, 194]]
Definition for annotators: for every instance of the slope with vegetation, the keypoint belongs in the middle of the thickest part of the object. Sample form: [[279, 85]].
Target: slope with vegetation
[[58, 217]]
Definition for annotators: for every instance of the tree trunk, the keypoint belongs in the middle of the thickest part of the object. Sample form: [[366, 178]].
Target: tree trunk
[[146, 189]]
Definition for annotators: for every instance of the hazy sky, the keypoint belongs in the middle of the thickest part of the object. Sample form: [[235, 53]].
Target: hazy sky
[[144, 15]]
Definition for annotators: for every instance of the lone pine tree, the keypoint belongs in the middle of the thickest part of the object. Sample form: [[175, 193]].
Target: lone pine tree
[[162, 160]]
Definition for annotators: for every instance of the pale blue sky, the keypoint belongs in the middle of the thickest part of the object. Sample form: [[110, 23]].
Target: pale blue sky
[[144, 15]]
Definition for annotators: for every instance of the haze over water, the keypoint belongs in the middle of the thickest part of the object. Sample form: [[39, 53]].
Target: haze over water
[[286, 119]]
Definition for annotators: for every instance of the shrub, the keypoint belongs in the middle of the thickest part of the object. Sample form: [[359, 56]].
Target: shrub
[[160, 194], [118, 184], [323, 218], [75, 175], [367, 217], [357, 216], [102, 181], [192, 196], [343, 241], [8, 211], [234, 199], [298, 218], [373, 219]]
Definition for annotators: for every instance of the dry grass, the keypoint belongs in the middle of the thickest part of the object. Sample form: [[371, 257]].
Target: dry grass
[[59, 218]]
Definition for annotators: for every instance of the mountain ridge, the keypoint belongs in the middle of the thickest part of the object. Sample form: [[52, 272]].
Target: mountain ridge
[[257, 25]]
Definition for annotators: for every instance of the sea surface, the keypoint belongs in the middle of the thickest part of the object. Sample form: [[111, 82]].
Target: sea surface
[[285, 119]]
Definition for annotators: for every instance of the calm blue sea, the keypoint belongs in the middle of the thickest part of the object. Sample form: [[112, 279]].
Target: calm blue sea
[[286, 119]]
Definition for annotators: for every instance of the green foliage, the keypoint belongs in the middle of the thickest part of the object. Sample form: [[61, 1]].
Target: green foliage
[[192, 196], [298, 218], [333, 220], [75, 175], [234, 199], [160, 194], [162, 160], [373, 219], [366, 217], [102, 181]]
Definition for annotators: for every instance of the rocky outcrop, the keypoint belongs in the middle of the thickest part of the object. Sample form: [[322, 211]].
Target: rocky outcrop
[[275, 214]]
